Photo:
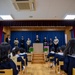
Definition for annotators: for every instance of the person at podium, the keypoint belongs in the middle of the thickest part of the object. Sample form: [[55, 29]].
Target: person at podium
[[37, 39]]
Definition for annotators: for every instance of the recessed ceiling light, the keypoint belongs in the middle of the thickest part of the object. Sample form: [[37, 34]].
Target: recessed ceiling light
[[70, 17], [6, 17]]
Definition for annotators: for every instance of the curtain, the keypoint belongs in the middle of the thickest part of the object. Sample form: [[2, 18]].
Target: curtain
[[32, 35], [74, 30], [1, 31], [2, 37]]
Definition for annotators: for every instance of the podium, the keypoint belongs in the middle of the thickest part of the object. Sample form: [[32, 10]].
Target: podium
[[38, 47]]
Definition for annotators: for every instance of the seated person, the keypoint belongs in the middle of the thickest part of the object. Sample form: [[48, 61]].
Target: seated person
[[59, 55], [5, 61], [51, 54], [13, 51], [19, 58], [22, 53], [66, 64], [10, 54], [69, 52]]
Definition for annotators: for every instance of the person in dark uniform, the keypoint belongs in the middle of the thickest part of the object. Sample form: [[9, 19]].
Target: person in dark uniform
[[37, 40], [45, 41], [69, 52], [7, 39], [5, 61], [24, 54], [19, 58], [22, 42], [51, 54], [50, 44]]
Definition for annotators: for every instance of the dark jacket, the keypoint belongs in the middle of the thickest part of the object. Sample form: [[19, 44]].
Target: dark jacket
[[9, 64]]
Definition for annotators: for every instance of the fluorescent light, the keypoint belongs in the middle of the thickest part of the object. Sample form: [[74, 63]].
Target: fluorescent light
[[6, 17], [70, 17]]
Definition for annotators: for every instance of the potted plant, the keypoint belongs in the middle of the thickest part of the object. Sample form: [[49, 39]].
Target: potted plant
[[45, 49], [31, 49]]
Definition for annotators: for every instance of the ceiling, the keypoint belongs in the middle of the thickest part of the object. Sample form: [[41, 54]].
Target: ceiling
[[45, 9]]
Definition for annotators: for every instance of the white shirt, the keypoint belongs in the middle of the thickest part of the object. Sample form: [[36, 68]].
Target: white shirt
[[16, 42], [28, 42], [17, 55], [60, 53], [56, 41], [73, 55], [52, 52], [10, 55]]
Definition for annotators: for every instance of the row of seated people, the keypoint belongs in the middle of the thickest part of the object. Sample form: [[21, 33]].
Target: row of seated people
[[6, 62], [19, 53], [58, 55], [65, 54]]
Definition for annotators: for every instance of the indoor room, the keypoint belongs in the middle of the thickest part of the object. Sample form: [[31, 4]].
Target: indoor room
[[37, 37]]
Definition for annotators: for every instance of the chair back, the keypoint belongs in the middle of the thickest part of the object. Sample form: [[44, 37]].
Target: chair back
[[6, 72], [73, 71], [61, 63], [51, 57], [19, 64]]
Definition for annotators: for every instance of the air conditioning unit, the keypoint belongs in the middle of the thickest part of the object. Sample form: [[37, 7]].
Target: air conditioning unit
[[24, 4]]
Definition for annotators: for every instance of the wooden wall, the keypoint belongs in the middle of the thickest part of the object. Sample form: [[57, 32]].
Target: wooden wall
[[7, 29]]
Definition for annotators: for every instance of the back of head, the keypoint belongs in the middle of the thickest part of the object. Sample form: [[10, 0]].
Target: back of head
[[17, 49], [63, 47], [22, 50], [4, 48], [58, 49], [52, 49], [70, 48]]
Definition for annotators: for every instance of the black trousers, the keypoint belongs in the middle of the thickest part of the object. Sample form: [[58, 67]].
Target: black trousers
[[55, 46]]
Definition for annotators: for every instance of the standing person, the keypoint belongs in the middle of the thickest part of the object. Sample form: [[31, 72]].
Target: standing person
[[28, 44], [16, 42], [22, 42], [45, 41], [56, 41], [8, 39], [50, 44], [37, 40]]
